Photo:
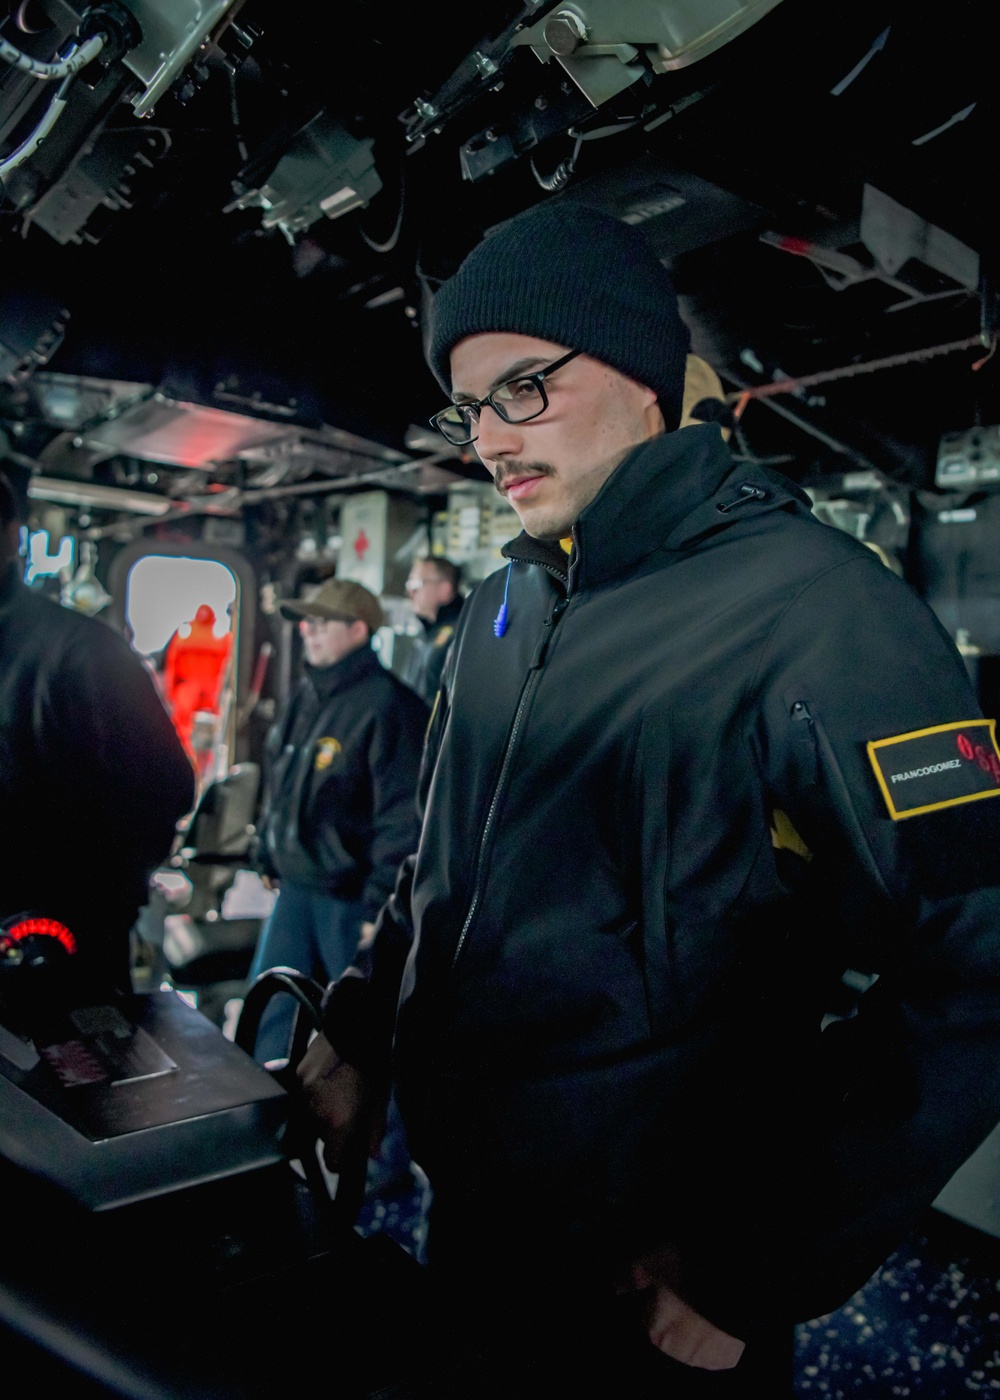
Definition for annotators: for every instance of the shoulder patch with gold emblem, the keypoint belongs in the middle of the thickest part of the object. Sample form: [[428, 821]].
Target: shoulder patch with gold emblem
[[326, 751], [444, 636], [943, 766]]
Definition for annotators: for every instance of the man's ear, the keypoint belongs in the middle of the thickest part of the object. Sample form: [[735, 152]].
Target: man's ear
[[655, 421], [652, 414]]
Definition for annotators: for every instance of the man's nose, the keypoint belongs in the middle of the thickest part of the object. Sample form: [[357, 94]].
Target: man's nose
[[497, 438]]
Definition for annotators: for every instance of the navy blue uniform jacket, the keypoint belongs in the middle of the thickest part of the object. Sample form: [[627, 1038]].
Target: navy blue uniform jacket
[[655, 837], [339, 810]]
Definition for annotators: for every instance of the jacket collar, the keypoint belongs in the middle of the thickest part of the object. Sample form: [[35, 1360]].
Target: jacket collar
[[357, 664], [548, 554], [669, 493]]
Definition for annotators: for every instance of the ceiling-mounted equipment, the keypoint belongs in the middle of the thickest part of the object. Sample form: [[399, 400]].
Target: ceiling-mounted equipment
[[894, 235], [969, 458], [93, 495], [32, 326], [172, 33], [606, 45], [324, 172], [909, 254], [71, 152]]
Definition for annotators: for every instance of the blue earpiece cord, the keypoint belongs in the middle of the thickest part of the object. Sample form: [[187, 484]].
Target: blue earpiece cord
[[500, 621]]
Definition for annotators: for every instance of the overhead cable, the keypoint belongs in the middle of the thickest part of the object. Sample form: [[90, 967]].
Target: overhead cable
[[828, 376], [29, 146], [563, 172], [76, 59], [389, 243]]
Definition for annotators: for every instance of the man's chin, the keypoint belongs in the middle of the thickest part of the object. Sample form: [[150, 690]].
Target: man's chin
[[542, 524]]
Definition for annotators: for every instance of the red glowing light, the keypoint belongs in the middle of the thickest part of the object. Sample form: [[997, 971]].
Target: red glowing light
[[801, 247], [48, 928]]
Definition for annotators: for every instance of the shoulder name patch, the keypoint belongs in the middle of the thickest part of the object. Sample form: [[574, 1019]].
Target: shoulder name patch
[[943, 766]]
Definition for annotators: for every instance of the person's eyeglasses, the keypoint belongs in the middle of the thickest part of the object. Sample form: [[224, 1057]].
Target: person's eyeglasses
[[414, 585], [515, 402]]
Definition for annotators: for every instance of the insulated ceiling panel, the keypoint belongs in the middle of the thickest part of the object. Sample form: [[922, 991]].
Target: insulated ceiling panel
[[183, 434]]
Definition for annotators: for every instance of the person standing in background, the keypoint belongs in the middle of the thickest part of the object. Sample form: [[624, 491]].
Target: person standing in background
[[433, 591], [339, 805]]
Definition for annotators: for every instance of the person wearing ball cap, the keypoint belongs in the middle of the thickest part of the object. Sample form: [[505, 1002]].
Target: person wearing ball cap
[[694, 756], [337, 813]]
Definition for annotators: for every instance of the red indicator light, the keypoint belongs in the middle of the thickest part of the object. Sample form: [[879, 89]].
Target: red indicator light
[[801, 247], [48, 928]]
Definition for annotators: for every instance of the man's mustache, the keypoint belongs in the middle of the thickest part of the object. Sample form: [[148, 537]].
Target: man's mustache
[[510, 471]]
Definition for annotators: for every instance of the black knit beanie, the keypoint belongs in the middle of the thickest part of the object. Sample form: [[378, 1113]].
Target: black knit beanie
[[575, 276]]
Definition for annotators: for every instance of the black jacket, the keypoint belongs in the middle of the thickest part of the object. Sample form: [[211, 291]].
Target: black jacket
[[654, 840], [339, 809], [92, 776], [425, 663]]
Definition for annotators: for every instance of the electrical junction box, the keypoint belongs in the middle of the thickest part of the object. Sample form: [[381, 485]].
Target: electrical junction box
[[478, 525], [971, 458]]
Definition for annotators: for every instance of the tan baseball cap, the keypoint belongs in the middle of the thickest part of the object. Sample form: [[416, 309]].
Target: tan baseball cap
[[338, 600]]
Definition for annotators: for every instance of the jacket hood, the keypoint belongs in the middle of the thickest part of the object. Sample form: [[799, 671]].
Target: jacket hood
[[670, 492]]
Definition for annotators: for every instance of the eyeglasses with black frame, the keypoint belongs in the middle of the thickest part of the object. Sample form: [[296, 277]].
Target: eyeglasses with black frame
[[516, 401]]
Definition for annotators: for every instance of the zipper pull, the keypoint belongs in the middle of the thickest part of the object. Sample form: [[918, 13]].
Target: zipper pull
[[748, 493], [804, 739], [559, 607], [500, 621]]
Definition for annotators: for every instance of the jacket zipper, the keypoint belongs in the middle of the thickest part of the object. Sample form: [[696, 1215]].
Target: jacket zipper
[[804, 734], [804, 724], [526, 690]]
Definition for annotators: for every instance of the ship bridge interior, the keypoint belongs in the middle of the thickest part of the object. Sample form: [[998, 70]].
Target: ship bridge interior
[[222, 227]]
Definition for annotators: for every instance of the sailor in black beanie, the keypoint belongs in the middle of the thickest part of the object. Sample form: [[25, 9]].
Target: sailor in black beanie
[[580, 278], [558, 278], [667, 777]]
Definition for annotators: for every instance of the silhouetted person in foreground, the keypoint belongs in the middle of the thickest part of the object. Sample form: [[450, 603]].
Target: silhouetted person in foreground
[[93, 778]]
